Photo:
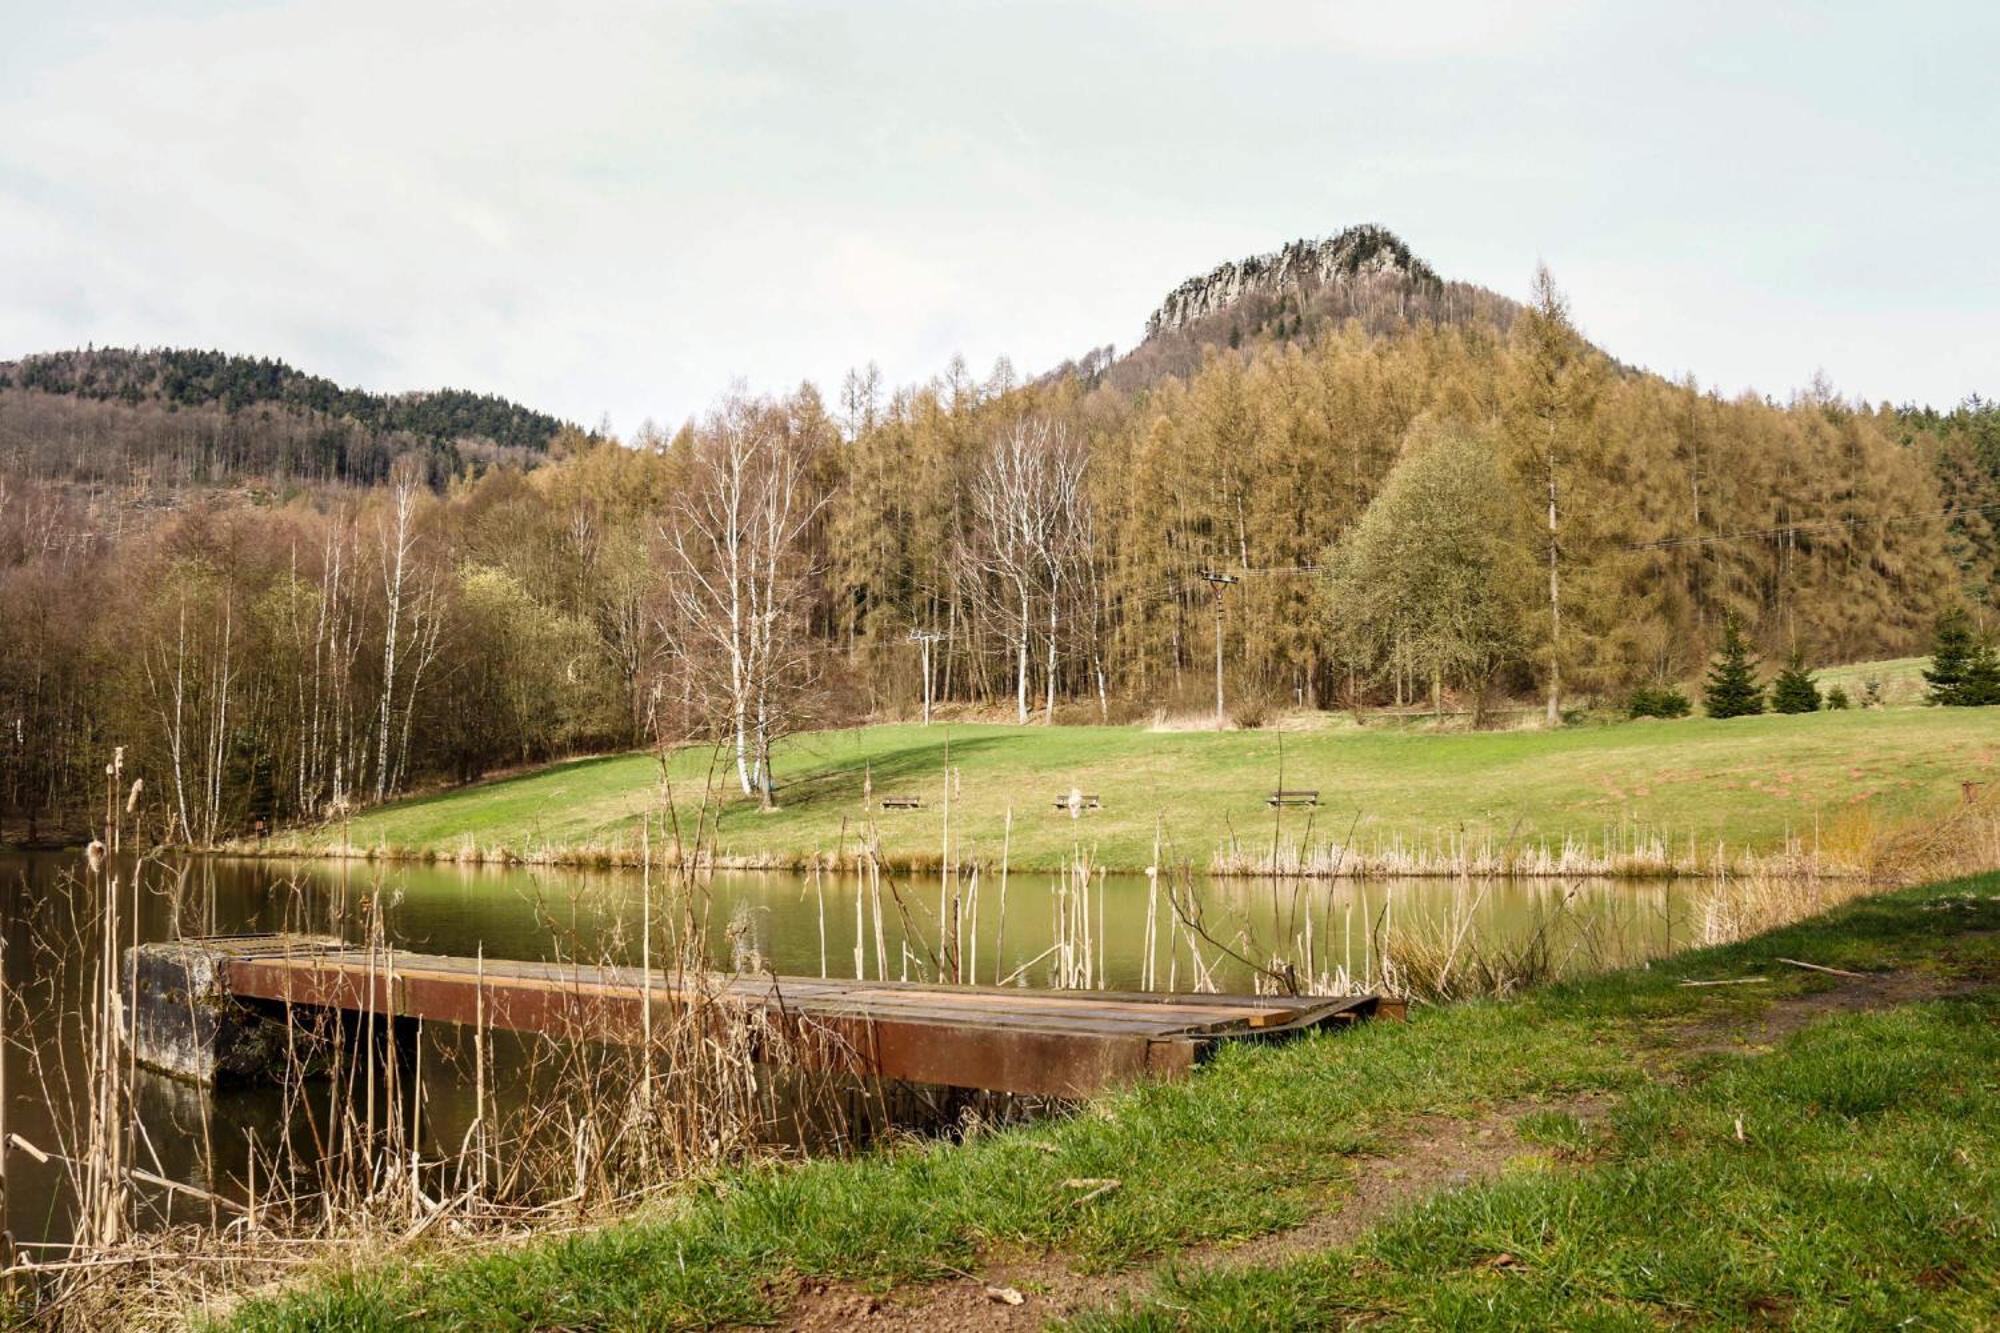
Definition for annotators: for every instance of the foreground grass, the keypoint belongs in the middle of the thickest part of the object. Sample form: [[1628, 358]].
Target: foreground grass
[[1865, 1182], [1744, 784], [1862, 1193]]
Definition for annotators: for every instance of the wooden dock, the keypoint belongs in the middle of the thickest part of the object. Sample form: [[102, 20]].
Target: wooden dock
[[1062, 1043]]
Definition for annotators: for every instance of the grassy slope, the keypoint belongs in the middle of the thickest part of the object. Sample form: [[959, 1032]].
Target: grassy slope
[[1864, 1188], [1748, 781], [1901, 680]]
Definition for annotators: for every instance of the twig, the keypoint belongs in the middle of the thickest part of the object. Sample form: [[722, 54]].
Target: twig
[[1017, 973], [1817, 967], [1735, 981], [16, 1141], [177, 1187], [1096, 1185]]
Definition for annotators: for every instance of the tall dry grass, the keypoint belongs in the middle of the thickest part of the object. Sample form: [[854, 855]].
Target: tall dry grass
[[360, 1164], [1443, 960], [365, 1168]]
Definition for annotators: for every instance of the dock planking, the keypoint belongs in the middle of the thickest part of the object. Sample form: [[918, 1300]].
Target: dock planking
[[1001, 1039]]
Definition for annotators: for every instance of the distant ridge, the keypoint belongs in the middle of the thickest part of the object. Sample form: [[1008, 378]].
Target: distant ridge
[[184, 377], [173, 419]]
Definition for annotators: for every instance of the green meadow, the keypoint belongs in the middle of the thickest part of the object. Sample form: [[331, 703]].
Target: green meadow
[[1742, 784]]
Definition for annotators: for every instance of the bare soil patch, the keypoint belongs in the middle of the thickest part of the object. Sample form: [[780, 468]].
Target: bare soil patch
[[1437, 1154], [1788, 1014]]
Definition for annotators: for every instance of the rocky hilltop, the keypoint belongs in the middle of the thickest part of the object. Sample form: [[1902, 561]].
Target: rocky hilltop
[[1302, 268]]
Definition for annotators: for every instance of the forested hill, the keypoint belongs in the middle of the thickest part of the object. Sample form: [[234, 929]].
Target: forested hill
[[1328, 468], [172, 415]]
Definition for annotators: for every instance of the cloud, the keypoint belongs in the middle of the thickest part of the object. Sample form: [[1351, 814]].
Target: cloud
[[622, 206]]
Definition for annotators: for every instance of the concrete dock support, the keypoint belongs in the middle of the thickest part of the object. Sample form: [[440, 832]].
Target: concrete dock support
[[184, 1022]]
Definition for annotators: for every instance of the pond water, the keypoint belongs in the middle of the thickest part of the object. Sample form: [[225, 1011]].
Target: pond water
[[787, 923]]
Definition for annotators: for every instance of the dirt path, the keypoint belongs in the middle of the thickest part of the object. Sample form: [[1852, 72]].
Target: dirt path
[[1437, 1154]]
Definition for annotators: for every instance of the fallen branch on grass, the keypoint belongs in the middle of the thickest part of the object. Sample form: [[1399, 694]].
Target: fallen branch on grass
[[1817, 967]]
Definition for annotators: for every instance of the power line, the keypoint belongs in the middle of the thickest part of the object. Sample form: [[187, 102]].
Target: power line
[[1791, 529], [1714, 538], [1177, 589]]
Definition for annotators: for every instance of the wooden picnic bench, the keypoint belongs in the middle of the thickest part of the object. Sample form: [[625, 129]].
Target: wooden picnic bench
[[1088, 802], [1283, 798], [902, 803]]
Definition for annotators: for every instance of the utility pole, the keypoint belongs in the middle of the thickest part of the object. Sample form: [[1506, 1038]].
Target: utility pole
[[1218, 581], [924, 638]]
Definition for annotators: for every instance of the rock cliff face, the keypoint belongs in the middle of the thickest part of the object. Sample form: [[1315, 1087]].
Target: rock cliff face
[[1303, 266]]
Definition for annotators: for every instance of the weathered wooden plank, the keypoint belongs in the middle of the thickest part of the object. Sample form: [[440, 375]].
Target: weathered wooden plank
[[1066, 1043]]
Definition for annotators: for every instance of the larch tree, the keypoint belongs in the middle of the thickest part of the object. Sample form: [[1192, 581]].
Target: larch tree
[[1554, 392]]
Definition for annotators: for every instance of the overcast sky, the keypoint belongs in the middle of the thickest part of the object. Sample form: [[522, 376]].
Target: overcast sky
[[600, 207]]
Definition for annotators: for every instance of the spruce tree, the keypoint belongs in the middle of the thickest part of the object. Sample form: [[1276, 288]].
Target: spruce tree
[[1952, 648], [1794, 691], [1981, 685], [1733, 690]]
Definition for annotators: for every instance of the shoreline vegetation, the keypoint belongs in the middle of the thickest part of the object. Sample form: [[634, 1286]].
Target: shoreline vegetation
[[624, 1195], [1801, 796], [1604, 1149]]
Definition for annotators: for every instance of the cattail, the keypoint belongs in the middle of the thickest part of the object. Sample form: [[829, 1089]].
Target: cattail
[[132, 801]]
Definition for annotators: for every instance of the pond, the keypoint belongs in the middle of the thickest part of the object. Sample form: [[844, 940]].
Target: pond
[[1222, 934]]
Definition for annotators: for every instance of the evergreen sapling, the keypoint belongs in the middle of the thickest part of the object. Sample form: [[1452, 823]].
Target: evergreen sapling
[[1981, 686], [1952, 649], [1794, 691], [1733, 690]]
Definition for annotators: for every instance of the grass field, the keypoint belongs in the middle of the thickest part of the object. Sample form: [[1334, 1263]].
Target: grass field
[[1805, 1150], [1900, 680], [1746, 784]]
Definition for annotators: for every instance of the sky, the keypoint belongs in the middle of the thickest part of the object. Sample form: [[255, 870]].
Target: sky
[[616, 210]]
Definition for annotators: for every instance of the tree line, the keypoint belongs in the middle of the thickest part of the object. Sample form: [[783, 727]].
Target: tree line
[[188, 377], [1423, 512], [175, 418]]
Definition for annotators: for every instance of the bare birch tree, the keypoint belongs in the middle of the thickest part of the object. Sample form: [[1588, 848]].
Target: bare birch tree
[[1032, 529], [1064, 546], [739, 578], [398, 541], [191, 680], [1007, 540]]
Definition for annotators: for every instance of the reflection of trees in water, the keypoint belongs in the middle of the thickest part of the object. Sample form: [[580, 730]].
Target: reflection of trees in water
[[775, 918]]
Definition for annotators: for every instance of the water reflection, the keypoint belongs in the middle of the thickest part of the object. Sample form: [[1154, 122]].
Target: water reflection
[[838, 925], [809, 925]]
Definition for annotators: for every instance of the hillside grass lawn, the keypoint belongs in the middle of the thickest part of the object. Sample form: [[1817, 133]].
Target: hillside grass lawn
[[1746, 783], [1808, 1150]]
